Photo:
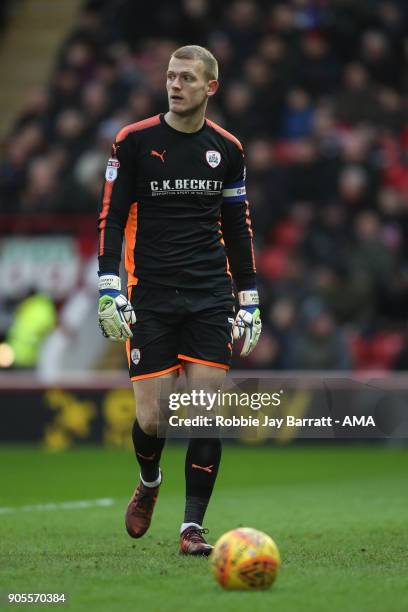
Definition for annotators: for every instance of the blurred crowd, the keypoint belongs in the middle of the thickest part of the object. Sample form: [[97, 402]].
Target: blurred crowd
[[317, 90]]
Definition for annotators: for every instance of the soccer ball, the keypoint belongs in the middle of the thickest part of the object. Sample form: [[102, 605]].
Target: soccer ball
[[245, 558]]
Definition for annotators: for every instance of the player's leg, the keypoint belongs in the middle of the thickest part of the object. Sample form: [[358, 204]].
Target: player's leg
[[148, 448], [153, 369], [206, 350], [201, 466], [147, 444]]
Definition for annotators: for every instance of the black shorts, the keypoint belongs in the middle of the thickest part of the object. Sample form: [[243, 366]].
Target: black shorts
[[180, 325]]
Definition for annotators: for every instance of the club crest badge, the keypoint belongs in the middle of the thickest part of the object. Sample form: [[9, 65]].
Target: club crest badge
[[112, 169], [213, 158], [135, 356]]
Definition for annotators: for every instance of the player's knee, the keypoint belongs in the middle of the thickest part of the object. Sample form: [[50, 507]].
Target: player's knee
[[149, 428], [147, 395], [147, 421]]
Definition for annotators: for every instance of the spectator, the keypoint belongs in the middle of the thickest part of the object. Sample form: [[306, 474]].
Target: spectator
[[34, 319], [357, 102], [297, 119], [320, 345]]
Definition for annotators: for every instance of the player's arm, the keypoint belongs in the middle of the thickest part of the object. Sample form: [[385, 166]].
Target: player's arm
[[115, 311], [237, 234]]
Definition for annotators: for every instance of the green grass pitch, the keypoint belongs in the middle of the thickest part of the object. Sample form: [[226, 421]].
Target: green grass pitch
[[338, 514]]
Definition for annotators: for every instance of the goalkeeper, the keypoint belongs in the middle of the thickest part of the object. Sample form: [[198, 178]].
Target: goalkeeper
[[175, 191]]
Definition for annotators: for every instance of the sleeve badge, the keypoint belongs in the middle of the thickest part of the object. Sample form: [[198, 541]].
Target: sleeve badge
[[112, 170]]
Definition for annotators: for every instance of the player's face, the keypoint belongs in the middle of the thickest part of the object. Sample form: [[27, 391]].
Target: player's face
[[188, 87]]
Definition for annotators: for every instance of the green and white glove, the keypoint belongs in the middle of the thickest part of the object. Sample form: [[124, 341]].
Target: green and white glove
[[248, 320], [115, 312]]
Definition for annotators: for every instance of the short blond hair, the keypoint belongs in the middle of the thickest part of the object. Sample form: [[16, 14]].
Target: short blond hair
[[195, 52]]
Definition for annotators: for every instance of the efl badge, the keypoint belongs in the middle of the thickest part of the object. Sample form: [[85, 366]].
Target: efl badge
[[213, 158], [112, 169], [135, 356]]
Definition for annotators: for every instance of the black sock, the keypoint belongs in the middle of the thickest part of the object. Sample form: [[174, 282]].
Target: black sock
[[202, 462], [148, 450]]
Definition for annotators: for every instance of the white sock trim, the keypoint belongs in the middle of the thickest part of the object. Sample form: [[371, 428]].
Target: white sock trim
[[153, 484], [184, 526]]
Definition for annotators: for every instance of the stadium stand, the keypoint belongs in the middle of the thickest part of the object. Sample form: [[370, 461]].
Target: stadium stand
[[316, 90]]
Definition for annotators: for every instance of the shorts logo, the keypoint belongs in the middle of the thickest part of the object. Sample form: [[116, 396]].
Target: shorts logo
[[112, 170], [213, 158], [135, 356]]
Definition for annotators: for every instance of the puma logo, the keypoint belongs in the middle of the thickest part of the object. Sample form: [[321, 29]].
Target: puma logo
[[148, 458], [203, 468], [157, 154]]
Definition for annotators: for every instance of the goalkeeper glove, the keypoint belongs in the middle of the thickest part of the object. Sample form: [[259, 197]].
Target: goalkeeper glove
[[248, 320], [115, 312]]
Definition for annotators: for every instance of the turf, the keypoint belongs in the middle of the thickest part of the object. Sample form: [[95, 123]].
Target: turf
[[339, 516]]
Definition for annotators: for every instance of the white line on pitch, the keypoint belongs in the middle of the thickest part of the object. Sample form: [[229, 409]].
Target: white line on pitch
[[68, 505]]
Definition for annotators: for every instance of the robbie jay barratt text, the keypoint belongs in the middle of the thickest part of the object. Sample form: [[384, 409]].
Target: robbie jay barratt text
[[277, 423]]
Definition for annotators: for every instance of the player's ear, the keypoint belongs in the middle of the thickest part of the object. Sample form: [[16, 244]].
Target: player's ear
[[212, 87]]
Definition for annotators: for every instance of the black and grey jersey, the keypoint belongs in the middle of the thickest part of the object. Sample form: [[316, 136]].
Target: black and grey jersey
[[179, 201]]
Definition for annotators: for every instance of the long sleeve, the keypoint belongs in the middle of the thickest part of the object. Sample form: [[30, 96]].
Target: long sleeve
[[236, 228], [237, 233], [117, 197]]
